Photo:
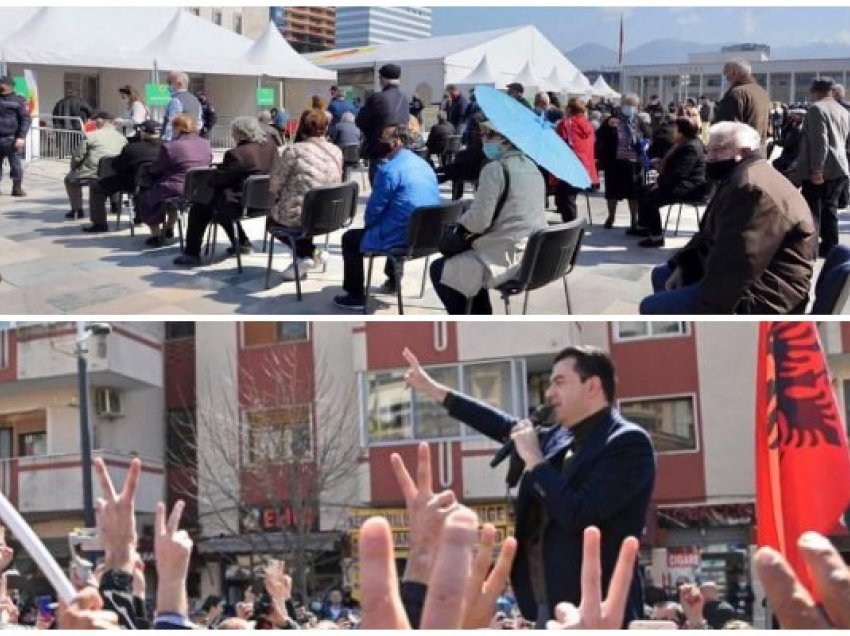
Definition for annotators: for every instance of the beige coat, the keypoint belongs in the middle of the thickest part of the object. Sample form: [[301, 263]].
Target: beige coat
[[303, 166], [103, 142], [495, 256]]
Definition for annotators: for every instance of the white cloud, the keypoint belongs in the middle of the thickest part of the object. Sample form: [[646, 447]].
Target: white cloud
[[842, 37], [749, 22], [689, 18]]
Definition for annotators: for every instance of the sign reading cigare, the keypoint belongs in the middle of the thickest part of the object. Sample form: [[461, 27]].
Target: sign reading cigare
[[157, 95], [265, 97]]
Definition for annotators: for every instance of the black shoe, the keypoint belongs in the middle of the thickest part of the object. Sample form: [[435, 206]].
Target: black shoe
[[651, 242], [96, 227], [169, 234], [137, 220], [186, 259], [637, 231], [154, 241], [243, 249], [609, 223], [75, 214], [16, 189], [389, 287], [345, 301]]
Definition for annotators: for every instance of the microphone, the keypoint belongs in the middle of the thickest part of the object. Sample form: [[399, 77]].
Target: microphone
[[539, 416]]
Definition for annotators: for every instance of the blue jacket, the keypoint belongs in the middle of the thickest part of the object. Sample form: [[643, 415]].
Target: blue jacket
[[338, 107], [402, 184], [608, 484]]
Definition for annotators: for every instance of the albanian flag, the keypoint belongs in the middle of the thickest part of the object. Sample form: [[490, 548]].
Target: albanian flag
[[802, 458]]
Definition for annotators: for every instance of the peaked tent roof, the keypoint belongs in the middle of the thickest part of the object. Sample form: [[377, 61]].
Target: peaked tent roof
[[271, 51], [481, 74], [527, 77], [580, 85], [97, 37], [602, 89], [555, 81]]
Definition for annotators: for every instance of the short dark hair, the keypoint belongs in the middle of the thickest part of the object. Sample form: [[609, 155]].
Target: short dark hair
[[592, 362], [687, 127]]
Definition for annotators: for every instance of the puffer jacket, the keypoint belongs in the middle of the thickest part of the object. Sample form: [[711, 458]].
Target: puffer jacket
[[303, 166]]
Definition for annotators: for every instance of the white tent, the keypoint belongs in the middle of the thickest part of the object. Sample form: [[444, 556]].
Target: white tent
[[580, 85], [555, 81], [272, 55], [481, 74], [528, 78], [428, 65], [601, 89]]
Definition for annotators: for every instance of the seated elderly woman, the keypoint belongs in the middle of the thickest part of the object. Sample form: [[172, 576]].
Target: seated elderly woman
[[254, 154], [304, 165], [506, 210], [185, 151]]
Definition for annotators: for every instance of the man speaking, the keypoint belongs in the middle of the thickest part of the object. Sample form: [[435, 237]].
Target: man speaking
[[592, 468]]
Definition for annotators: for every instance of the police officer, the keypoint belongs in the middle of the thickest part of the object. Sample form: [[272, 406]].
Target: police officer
[[14, 124]]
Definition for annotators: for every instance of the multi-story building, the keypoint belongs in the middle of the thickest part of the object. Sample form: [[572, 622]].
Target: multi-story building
[[363, 26], [307, 29], [247, 21], [40, 466]]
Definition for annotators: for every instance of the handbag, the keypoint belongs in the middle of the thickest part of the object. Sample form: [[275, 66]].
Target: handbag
[[456, 239]]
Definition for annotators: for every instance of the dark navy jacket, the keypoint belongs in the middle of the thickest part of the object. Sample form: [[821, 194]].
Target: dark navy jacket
[[608, 484]]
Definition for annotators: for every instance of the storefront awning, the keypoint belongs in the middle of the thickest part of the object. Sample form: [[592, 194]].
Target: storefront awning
[[274, 542]]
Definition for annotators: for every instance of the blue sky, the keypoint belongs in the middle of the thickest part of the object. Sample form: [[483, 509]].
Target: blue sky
[[569, 27]]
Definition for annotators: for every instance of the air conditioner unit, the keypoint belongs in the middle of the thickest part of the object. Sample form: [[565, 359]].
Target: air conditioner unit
[[107, 402]]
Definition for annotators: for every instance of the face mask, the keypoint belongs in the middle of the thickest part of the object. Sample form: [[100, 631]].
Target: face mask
[[629, 111], [171, 91], [492, 150], [720, 170]]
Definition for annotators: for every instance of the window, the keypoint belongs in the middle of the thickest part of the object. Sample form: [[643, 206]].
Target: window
[[84, 86], [279, 435], [641, 330], [216, 16], [237, 23], [30, 444], [670, 421], [393, 413], [178, 330], [257, 334]]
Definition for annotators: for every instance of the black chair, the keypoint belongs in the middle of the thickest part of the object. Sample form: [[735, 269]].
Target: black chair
[[833, 285], [104, 170], [256, 201], [423, 239], [325, 210], [350, 160], [551, 254], [694, 203], [141, 181], [452, 147]]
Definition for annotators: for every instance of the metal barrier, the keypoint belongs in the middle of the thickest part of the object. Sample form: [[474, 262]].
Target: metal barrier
[[54, 143]]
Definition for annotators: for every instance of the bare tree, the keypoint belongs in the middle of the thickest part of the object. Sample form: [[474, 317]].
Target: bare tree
[[292, 448]]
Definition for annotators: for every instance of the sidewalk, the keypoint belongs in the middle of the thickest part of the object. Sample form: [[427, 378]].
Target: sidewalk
[[50, 266]]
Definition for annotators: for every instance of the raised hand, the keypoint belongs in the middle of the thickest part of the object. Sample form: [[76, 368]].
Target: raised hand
[[427, 513], [279, 588], [417, 379], [172, 548], [693, 603], [86, 612], [593, 612], [485, 585], [791, 602], [116, 516], [7, 554]]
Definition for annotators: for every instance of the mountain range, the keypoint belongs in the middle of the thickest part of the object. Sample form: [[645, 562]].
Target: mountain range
[[593, 56]]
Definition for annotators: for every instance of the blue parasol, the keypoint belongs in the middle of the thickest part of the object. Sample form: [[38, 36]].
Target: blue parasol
[[533, 135]]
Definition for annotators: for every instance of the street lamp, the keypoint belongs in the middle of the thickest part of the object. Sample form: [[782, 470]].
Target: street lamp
[[84, 333]]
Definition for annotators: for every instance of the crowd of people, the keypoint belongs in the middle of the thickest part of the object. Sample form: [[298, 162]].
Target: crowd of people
[[764, 225]]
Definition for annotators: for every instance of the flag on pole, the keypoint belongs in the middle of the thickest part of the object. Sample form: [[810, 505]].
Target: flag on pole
[[802, 457], [622, 42]]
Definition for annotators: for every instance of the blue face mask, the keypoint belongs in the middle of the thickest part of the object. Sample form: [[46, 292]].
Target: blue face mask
[[629, 111], [171, 90], [492, 150]]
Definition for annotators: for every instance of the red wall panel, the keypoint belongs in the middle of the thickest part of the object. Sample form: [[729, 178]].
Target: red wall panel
[[9, 373], [386, 340], [385, 489], [180, 373]]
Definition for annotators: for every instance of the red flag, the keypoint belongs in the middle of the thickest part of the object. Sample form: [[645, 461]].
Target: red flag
[[802, 457], [622, 42]]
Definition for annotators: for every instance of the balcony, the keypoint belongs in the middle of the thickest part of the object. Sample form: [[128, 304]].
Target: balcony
[[52, 484]]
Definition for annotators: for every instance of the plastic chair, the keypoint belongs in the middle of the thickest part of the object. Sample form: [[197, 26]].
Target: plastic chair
[[256, 201], [551, 254], [833, 284], [694, 203], [452, 147], [325, 210], [104, 170], [350, 161], [423, 239]]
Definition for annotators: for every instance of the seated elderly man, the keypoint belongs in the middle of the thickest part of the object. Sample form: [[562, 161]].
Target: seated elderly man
[[104, 141], [143, 148], [403, 182], [755, 250], [265, 119], [345, 132]]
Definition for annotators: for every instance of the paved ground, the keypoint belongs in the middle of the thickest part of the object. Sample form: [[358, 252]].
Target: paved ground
[[49, 266]]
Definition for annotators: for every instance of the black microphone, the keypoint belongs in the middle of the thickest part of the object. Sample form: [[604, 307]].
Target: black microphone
[[539, 416]]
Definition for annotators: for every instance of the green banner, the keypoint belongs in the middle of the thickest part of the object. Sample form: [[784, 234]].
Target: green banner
[[21, 87], [157, 94], [265, 97]]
